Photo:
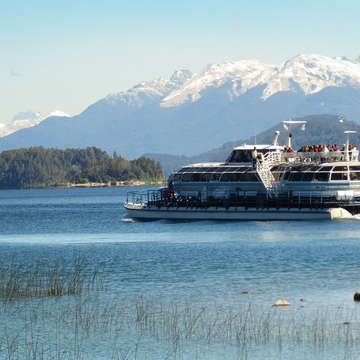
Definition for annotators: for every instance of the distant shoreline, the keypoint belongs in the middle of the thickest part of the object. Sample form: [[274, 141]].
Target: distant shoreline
[[110, 184]]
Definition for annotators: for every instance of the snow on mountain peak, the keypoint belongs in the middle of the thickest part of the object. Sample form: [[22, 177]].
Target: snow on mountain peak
[[27, 119], [150, 91], [58, 113], [310, 73], [243, 74]]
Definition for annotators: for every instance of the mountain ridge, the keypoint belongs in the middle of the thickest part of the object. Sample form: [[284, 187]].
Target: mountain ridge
[[191, 113]]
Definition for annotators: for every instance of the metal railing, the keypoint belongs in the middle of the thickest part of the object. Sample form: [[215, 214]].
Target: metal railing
[[319, 157]]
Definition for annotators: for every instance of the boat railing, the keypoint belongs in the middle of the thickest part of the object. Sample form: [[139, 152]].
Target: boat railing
[[291, 199], [149, 197], [319, 157]]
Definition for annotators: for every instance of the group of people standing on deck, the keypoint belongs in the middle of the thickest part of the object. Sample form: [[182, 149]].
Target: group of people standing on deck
[[324, 148]]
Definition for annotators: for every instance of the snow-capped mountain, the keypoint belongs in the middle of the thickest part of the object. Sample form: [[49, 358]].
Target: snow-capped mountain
[[242, 75], [310, 73], [148, 92], [27, 119], [192, 113]]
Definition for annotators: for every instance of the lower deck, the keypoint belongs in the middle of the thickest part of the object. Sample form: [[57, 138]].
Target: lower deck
[[234, 213]]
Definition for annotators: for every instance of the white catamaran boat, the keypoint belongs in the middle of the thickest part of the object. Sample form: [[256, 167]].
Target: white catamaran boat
[[260, 182]]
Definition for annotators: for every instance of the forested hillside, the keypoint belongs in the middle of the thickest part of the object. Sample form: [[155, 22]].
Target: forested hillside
[[40, 167]]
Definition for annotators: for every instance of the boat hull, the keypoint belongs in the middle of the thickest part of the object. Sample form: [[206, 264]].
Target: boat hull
[[234, 213]]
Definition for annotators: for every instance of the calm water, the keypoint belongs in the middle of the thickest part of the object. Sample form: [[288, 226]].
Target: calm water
[[204, 264]]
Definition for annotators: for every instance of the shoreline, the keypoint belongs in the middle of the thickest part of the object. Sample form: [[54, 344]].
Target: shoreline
[[109, 184]]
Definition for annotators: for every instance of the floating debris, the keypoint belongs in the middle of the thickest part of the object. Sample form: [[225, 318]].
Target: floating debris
[[281, 303], [129, 220]]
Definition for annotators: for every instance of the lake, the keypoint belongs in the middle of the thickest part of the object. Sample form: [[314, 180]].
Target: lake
[[176, 290]]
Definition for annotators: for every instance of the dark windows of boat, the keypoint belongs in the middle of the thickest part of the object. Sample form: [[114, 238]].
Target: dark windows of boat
[[177, 177], [229, 177], [313, 168], [342, 176], [308, 176], [239, 177], [185, 170], [248, 177], [277, 175], [241, 169], [354, 176], [186, 177], [321, 176], [240, 156], [215, 177], [340, 168], [325, 168], [295, 176], [287, 174], [354, 168]]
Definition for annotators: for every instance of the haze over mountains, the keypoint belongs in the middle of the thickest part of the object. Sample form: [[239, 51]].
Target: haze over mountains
[[192, 113]]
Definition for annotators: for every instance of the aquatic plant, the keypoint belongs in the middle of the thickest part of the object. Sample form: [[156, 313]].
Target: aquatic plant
[[45, 279]]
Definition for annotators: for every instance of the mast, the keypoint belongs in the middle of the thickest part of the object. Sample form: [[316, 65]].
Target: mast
[[348, 132], [287, 125]]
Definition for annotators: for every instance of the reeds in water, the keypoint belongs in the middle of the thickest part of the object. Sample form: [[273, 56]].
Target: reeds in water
[[45, 279]]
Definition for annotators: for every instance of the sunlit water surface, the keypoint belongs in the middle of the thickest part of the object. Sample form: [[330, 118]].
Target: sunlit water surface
[[197, 265]]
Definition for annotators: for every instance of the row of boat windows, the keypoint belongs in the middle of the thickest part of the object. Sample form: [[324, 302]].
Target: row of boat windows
[[205, 177], [251, 176], [319, 176], [242, 169]]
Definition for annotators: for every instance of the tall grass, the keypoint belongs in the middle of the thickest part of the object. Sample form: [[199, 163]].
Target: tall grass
[[45, 279], [44, 321]]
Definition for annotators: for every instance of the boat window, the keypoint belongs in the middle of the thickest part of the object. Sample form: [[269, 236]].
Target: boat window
[[187, 169], [187, 177], [321, 176], [325, 168], [215, 177], [177, 177], [313, 168], [339, 175], [240, 156], [340, 168], [248, 177], [221, 169], [355, 168], [295, 176], [355, 176], [308, 176], [229, 177], [287, 174], [239, 177]]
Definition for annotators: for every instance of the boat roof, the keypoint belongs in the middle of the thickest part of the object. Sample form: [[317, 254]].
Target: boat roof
[[259, 147], [209, 164]]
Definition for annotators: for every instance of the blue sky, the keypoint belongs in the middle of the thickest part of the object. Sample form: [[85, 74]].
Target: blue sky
[[68, 54]]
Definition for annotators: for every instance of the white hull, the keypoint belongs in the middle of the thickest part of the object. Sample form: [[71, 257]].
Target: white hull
[[234, 213]]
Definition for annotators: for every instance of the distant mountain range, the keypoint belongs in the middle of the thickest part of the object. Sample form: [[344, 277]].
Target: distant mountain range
[[27, 119], [191, 113], [320, 129]]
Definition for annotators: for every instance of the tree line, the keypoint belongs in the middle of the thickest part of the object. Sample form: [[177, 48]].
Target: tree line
[[39, 167]]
